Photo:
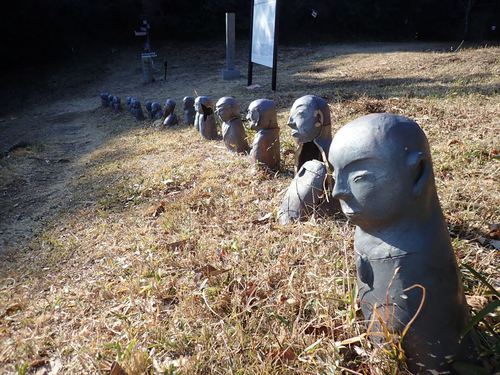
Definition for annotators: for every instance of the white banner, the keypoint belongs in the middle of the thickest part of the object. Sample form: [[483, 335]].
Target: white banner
[[264, 18]]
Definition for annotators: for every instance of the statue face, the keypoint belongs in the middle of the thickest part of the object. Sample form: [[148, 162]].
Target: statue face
[[305, 121], [227, 109], [253, 117], [372, 180]]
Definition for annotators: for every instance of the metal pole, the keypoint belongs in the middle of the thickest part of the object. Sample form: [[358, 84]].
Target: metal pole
[[250, 64], [275, 52]]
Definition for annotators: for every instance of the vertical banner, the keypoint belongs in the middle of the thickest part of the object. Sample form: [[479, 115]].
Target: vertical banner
[[264, 20], [263, 37]]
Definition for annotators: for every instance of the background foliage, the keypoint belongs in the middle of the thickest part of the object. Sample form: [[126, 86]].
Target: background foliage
[[37, 31]]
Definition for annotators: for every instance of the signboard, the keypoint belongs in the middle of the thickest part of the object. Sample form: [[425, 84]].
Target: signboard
[[264, 19], [264, 37]]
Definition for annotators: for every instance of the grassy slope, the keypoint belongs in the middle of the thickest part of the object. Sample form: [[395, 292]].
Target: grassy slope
[[116, 277]]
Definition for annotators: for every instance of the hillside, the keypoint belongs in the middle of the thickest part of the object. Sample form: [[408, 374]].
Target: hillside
[[160, 251]]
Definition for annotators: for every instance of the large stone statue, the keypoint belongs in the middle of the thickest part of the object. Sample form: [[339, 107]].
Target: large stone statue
[[233, 132], [408, 278], [262, 118], [136, 109], [311, 129], [206, 119], [189, 111], [170, 118]]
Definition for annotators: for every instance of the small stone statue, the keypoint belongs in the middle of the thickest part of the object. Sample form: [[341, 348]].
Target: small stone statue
[[136, 109], [311, 129], [233, 132], [266, 143], [189, 111], [104, 99], [408, 278], [311, 126], [206, 119], [116, 103], [129, 99], [154, 110], [170, 118]]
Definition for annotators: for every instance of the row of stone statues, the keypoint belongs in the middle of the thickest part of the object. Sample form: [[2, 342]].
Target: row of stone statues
[[199, 112], [134, 106], [378, 171]]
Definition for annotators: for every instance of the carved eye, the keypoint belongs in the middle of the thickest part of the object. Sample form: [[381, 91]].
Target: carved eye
[[358, 178]]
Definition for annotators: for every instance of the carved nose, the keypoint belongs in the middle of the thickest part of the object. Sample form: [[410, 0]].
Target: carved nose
[[291, 123], [340, 191]]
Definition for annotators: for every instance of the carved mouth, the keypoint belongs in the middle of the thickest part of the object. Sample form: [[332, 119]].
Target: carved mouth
[[350, 214]]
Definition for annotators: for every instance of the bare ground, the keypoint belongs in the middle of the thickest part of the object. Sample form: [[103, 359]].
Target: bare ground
[[155, 249]]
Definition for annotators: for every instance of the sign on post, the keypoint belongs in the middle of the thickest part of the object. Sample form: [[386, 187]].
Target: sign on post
[[263, 37]]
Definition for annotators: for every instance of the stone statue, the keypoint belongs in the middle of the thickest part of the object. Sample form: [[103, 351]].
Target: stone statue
[[170, 118], [233, 132], [189, 111], [104, 99], [136, 109], [154, 110], [129, 99], [116, 103], [148, 106], [262, 118], [311, 129], [206, 119], [311, 126], [408, 278]]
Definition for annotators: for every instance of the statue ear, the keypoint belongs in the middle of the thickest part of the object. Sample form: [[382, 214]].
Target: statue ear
[[420, 170], [319, 118]]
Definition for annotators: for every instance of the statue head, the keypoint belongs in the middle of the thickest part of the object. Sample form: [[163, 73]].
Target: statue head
[[104, 96], [188, 102], [155, 107], [169, 106], [227, 108], [261, 114], [383, 170], [203, 105], [310, 119], [148, 106], [135, 104]]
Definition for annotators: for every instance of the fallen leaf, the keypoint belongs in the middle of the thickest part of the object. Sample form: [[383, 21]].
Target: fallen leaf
[[494, 231], [156, 210], [253, 87], [39, 363], [351, 340], [318, 331], [116, 369], [209, 271], [11, 309], [263, 219], [286, 355], [454, 142]]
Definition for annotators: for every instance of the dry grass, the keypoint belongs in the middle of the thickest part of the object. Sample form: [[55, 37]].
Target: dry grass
[[162, 257]]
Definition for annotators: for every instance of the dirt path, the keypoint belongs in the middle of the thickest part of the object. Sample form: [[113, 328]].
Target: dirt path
[[37, 173]]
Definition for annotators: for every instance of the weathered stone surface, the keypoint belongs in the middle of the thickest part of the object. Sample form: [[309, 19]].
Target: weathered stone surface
[[407, 271], [233, 132]]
